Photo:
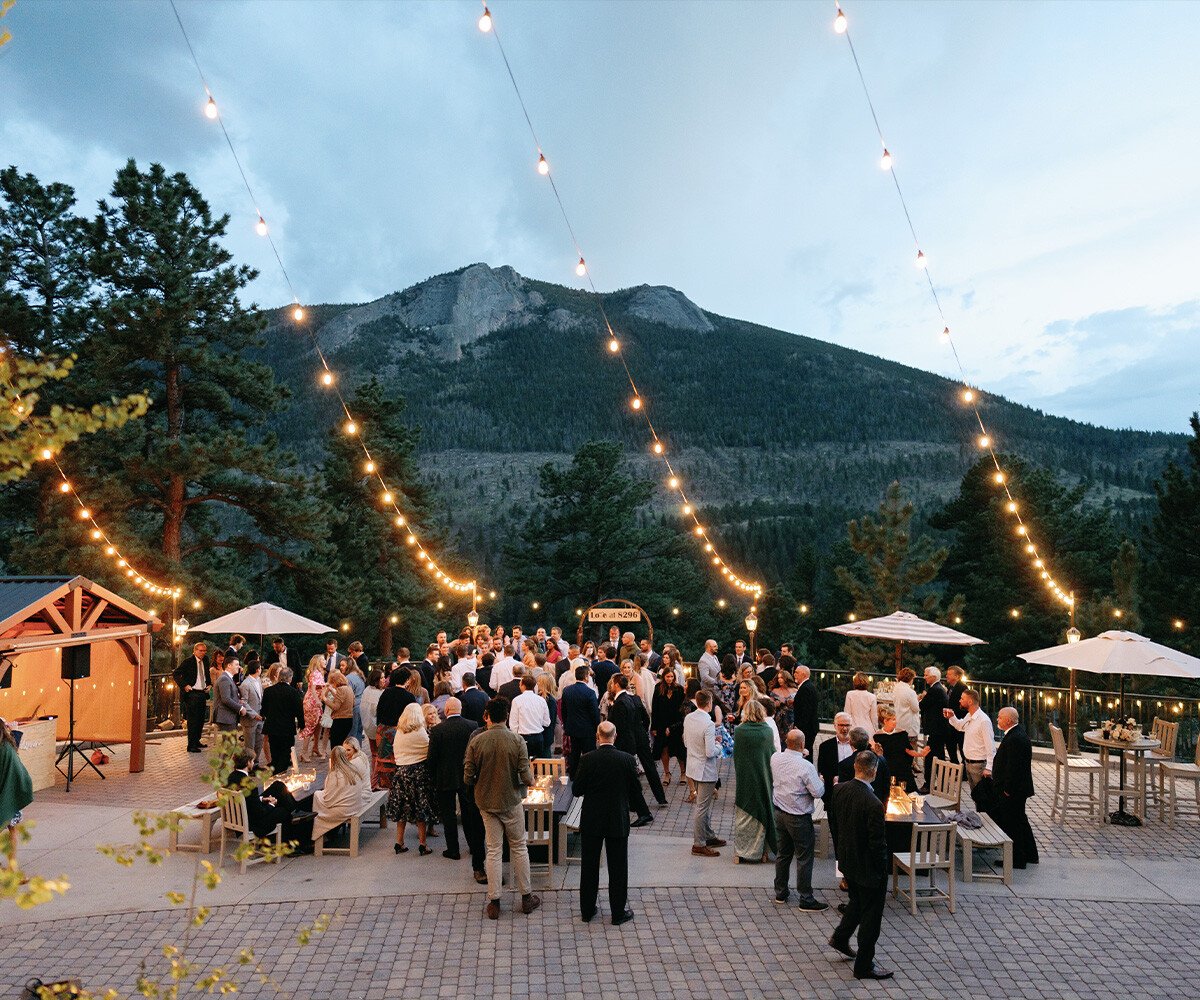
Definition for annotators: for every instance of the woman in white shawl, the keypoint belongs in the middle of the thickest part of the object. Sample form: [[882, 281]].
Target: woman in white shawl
[[341, 798]]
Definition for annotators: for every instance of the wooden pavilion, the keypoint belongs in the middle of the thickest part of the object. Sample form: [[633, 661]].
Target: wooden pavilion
[[40, 616]]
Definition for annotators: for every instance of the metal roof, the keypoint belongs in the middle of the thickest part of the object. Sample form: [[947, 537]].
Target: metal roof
[[20, 592]]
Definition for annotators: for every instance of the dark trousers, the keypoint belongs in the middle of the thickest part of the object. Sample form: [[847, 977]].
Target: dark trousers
[[796, 840], [942, 747], [195, 708], [616, 849], [339, 731], [864, 912], [472, 823], [579, 746], [1010, 817], [534, 743], [299, 830], [652, 778], [281, 750]]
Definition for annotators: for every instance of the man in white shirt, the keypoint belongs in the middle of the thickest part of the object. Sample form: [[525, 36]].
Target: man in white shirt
[[562, 644], [708, 666], [568, 678], [979, 740], [529, 717], [703, 762], [795, 785], [646, 679], [469, 664], [502, 670]]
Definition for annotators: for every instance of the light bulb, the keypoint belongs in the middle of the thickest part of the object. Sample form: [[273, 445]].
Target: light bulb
[[64, 487], [708, 546], [658, 448], [1030, 548], [412, 540], [97, 534], [387, 497], [716, 560], [491, 593], [298, 313], [210, 109], [1015, 612], [721, 603], [395, 619], [687, 509], [636, 402], [839, 22], [400, 521], [47, 454], [543, 166], [1022, 530], [999, 477], [369, 467], [945, 335], [1038, 563], [1012, 506], [803, 609], [984, 441], [614, 345], [885, 161], [675, 611], [922, 262], [581, 267], [109, 550], [699, 530], [968, 395], [351, 427], [673, 483], [535, 605], [260, 226], [122, 563], [84, 514], [485, 22], [327, 378]]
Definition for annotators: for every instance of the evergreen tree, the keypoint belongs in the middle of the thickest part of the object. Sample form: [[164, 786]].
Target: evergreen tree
[[1170, 599], [891, 573]]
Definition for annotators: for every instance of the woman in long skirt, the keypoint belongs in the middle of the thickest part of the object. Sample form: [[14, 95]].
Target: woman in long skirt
[[314, 705], [410, 800], [754, 819]]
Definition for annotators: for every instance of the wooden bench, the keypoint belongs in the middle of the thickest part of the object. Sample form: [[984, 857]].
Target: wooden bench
[[988, 835], [567, 825], [371, 801], [206, 817]]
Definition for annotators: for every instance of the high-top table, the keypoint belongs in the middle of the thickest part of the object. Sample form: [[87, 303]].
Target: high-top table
[[1137, 748]]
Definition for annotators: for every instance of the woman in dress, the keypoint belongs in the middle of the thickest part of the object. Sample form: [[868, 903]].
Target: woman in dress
[[409, 800], [339, 697], [906, 704], [314, 683], [341, 798], [725, 690], [861, 705], [754, 818], [783, 690], [747, 693], [666, 723], [16, 792], [547, 687], [442, 692], [370, 701]]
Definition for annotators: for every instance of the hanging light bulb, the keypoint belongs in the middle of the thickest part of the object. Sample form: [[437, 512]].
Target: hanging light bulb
[[260, 226], [999, 477], [673, 483], [839, 22], [614, 345], [1015, 612], [1012, 506], [210, 108], [658, 448], [581, 267], [84, 514], [968, 395], [636, 402], [64, 487], [699, 530], [687, 509], [1022, 530], [945, 335], [485, 22], [47, 454], [922, 262], [885, 161], [97, 534], [109, 550], [369, 467], [400, 521], [543, 166], [984, 441], [412, 540], [298, 313], [327, 378], [387, 497], [351, 427]]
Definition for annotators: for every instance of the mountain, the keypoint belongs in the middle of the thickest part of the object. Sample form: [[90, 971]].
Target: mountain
[[502, 373]]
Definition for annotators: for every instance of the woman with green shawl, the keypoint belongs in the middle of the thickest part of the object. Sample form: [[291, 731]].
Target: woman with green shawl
[[16, 791], [754, 822]]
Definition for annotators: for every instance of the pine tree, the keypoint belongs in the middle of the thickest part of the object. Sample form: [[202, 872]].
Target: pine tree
[[891, 573]]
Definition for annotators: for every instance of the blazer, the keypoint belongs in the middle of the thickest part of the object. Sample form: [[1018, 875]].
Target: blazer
[[699, 739], [185, 674], [954, 699], [607, 779], [474, 701], [632, 720], [282, 710], [602, 670], [1012, 767], [804, 714], [262, 816], [933, 723], [229, 702], [510, 690], [828, 767], [580, 710], [860, 834], [882, 785], [448, 752]]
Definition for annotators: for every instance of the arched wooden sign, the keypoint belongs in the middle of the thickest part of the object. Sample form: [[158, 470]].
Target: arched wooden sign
[[626, 614]]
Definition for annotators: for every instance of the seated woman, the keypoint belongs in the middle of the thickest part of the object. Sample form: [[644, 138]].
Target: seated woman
[[358, 759], [341, 798]]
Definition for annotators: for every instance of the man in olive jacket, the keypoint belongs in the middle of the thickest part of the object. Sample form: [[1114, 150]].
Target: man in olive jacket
[[497, 765]]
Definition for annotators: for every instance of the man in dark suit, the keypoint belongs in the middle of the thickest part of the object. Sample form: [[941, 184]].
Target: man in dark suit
[[804, 707], [447, 753], [333, 659], [513, 687], [191, 677], [605, 667], [860, 740], [740, 657], [632, 720], [580, 709], [273, 807], [863, 855], [473, 700], [395, 698], [653, 659], [483, 677], [607, 779], [282, 655], [428, 667], [283, 717], [938, 732], [955, 688], [1012, 780], [830, 755]]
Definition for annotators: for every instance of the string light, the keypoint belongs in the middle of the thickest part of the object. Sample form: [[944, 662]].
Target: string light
[[581, 268], [839, 22], [260, 226], [369, 467], [485, 22], [298, 313], [636, 402], [350, 427], [210, 108], [922, 261], [885, 161], [327, 378], [614, 345], [543, 166]]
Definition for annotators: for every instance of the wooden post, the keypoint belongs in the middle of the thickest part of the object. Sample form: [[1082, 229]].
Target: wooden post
[[137, 738]]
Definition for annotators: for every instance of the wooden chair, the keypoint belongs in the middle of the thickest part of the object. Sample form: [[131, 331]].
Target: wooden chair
[[568, 825], [1169, 773], [1064, 766], [552, 767], [234, 821], [1167, 734], [945, 784], [931, 850], [539, 833]]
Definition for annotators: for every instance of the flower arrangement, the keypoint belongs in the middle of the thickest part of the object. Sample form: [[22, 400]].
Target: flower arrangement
[[1123, 732]]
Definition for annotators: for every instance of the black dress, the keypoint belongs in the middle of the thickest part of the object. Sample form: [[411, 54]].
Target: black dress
[[666, 721]]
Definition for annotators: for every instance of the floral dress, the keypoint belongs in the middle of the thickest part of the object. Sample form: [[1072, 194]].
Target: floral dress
[[314, 705]]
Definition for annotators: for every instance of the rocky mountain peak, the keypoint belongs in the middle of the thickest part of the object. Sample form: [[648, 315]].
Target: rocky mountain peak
[[660, 304]]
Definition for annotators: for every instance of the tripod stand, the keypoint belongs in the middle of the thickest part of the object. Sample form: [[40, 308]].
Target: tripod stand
[[72, 748]]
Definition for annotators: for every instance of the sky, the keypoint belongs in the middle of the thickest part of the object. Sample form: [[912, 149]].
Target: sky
[[1048, 152]]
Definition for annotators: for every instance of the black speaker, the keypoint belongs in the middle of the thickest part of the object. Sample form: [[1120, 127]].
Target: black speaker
[[76, 663], [6, 672]]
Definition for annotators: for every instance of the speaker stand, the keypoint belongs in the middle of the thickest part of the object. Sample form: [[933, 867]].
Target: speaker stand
[[72, 748]]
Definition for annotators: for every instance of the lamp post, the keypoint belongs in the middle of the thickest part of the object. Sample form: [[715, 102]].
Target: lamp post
[[179, 629], [1073, 636], [473, 614], [752, 628]]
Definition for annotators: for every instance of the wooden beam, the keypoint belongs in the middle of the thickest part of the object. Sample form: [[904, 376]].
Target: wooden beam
[[94, 615], [137, 736], [56, 620], [77, 609], [131, 647]]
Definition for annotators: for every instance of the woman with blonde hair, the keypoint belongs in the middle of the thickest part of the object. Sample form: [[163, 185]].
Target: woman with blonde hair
[[341, 798], [861, 704], [754, 817], [314, 682], [547, 687], [339, 696], [409, 799]]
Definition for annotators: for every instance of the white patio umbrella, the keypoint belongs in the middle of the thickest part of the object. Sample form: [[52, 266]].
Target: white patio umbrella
[[902, 627], [261, 620]]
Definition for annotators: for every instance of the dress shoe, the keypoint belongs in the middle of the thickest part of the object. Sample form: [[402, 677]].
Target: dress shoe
[[623, 918], [781, 897], [481, 878], [587, 917], [875, 973], [642, 821], [451, 855], [705, 852], [493, 909], [194, 750], [845, 949], [843, 907], [716, 842], [530, 903], [813, 905], [203, 746], [662, 804]]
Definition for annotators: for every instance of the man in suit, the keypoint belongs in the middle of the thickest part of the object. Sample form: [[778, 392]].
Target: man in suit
[[830, 755], [955, 688], [473, 700], [282, 655], [236, 642], [804, 707], [275, 806], [708, 667], [447, 753], [632, 720], [230, 707], [938, 732], [283, 717], [604, 668], [607, 779], [863, 855], [653, 659], [191, 677], [1012, 780], [740, 659], [333, 659], [510, 690], [703, 761], [860, 741], [580, 709]]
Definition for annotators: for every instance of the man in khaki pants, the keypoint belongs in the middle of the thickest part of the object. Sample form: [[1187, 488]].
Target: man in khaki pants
[[497, 765]]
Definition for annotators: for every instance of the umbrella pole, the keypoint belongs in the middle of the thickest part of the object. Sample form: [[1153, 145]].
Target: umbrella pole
[[1122, 699], [899, 657], [1073, 735]]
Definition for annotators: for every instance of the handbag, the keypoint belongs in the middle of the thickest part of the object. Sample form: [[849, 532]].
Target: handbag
[[327, 718]]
